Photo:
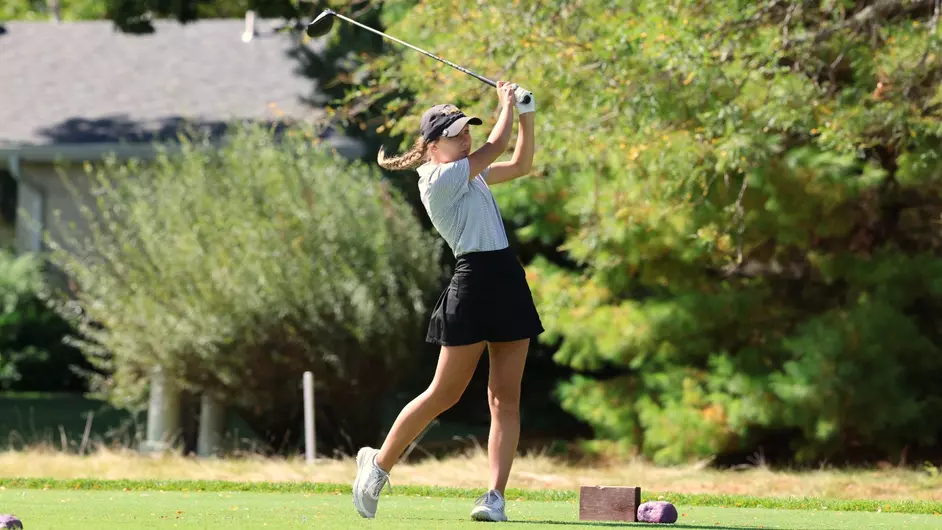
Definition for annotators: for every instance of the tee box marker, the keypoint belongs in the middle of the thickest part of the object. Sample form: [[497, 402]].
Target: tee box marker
[[609, 503]]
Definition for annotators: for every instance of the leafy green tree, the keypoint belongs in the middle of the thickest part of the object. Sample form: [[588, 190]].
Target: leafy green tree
[[39, 9], [236, 268], [738, 204], [134, 16], [33, 355]]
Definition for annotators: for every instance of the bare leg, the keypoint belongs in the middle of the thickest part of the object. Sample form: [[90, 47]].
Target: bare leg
[[507, 360], [456, 365]]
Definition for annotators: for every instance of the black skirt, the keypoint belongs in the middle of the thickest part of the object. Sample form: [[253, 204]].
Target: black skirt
[[488, 299]]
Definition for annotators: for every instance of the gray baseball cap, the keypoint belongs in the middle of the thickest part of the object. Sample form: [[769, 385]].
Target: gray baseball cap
[[445, 120]]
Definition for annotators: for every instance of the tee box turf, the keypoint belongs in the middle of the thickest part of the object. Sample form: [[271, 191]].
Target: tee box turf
[[609, 503]]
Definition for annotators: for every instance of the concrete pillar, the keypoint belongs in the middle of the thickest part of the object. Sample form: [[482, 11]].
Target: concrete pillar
[[163, 413], [212, 427]]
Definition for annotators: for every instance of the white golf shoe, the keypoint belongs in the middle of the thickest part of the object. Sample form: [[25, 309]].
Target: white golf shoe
[[368, 483], [489, 507]]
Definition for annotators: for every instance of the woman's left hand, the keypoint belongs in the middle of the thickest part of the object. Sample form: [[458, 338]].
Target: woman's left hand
[[521, 95]]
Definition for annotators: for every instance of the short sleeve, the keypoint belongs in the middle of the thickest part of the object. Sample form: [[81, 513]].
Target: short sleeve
[[448, 182]]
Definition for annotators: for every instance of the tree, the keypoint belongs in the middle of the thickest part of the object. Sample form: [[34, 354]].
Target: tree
[[746, 198], [134, 16], [39, 9], [236, 268], [32, 354]]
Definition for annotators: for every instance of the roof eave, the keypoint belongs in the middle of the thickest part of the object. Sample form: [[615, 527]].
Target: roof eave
[[80, 152], [90, 152]]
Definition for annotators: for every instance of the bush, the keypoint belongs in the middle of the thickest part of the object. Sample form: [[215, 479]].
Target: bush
[[747, 198], [237, 268], [32, 353]]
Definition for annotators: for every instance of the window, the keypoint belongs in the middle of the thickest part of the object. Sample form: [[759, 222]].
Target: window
[[32, 202], [7, 197], [7, 209]]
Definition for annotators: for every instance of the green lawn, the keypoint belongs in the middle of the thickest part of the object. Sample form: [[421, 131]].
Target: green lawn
[[107, 510]]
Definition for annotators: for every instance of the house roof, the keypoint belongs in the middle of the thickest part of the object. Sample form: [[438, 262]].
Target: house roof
[[86, 83]]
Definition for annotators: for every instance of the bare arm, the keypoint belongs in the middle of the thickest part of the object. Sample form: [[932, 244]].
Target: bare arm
[[497, 141], [522, 161]]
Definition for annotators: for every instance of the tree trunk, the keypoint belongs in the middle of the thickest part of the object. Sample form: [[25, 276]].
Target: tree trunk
[[163, 414]]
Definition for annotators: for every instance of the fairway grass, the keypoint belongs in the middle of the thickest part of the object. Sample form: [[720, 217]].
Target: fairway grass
[[513, 494], [240, 510]]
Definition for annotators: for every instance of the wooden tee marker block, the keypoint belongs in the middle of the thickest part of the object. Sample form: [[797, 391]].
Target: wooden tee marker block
[[609, 503]]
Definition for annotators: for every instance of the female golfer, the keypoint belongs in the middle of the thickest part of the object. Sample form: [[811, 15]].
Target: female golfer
[[487, 302]]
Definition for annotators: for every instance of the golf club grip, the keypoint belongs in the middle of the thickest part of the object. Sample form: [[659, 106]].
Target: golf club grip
[[484, 79], [469, 72]]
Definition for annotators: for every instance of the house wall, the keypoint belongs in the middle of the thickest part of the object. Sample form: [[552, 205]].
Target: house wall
[[45, 196]]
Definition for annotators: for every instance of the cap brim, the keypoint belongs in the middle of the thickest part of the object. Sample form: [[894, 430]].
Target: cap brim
[[455, 128]]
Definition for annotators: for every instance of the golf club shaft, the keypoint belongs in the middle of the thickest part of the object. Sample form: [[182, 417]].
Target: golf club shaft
[[420, 50]]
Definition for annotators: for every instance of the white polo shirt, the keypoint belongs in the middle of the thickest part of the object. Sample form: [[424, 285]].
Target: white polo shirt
[[462, 210]]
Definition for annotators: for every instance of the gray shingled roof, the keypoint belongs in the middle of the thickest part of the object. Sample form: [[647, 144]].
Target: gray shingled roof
[[85, 82]]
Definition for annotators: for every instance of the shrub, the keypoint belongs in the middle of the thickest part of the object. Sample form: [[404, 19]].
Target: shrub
[[237, 268], [33, 355]]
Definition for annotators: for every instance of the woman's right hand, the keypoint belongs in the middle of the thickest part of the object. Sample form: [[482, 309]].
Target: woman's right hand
[[505, 93]]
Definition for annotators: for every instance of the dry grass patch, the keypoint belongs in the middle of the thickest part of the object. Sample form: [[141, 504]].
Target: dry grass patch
[[470, 470]]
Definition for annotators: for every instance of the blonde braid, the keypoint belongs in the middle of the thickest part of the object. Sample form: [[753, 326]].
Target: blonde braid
[[411, 159]]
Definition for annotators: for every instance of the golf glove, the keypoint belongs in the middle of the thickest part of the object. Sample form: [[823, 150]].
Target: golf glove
[[520, 95]]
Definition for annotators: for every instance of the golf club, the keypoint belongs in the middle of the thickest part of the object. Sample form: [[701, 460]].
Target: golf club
[[322, 25]]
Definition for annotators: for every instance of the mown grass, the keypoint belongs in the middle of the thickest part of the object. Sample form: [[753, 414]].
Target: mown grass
[[722, 501], [146, 510], [161, 509]]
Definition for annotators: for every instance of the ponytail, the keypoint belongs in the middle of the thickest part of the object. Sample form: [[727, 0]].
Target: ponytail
[[411, 159]]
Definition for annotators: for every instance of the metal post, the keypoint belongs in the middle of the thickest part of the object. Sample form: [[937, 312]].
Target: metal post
[[309, 417]]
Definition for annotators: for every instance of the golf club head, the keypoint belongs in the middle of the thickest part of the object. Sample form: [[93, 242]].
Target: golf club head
[[321, 25]]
